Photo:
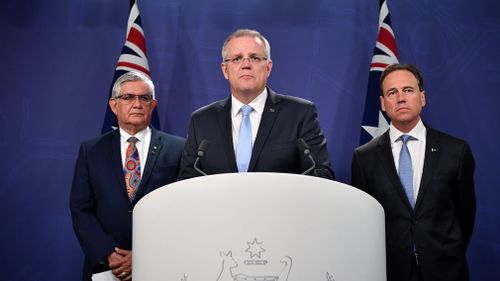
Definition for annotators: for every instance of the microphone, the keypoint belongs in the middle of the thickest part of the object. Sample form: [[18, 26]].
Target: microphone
[[304, 148], [201, 152]]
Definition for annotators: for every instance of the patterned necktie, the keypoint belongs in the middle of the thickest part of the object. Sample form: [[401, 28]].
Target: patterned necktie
[[406, 170], [132, 169], [244, 146]]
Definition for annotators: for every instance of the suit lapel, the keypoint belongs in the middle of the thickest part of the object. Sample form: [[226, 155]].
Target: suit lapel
[[271, 111], [387, 162], [432, 154], [155, 147], [226, 133], [117, 162]]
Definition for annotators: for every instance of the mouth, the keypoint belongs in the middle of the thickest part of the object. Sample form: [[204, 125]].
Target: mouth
[[246, 77]]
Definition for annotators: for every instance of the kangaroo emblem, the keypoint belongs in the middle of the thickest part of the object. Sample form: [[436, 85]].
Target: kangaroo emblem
[[229, 263]]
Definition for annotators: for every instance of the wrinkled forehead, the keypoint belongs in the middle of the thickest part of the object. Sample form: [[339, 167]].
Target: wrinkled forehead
[[245, 45], [135, 87], [399, 79]]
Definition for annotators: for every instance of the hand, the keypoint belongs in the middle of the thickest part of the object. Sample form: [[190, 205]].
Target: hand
[[120, 263]]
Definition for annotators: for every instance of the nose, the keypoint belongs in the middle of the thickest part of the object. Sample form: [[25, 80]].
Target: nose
[[246, 63], [401, 97], [136, 102]]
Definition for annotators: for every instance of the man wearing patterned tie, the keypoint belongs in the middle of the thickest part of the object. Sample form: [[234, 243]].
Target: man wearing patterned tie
[[424, 179], [254, 129], [114, 171]]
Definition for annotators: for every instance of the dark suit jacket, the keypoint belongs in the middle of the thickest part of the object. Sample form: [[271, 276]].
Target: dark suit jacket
[[100, 208], [441, 224], [284, 120]]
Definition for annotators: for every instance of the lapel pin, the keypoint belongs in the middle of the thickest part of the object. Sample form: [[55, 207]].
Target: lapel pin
[[154, 150], [433, 149], [271, 109]]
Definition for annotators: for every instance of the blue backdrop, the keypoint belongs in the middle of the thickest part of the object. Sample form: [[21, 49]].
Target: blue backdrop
[[58, 59]]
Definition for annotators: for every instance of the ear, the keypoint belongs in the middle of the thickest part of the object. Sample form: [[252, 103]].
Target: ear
[[113, 105], [154, 103], [269, 66], [224, 70], [422, 98], [382, 106]]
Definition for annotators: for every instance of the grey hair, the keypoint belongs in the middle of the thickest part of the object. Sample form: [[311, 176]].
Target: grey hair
[[246, 33], [132, 76]]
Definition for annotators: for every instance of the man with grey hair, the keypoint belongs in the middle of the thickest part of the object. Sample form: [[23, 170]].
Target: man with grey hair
[[116, 170], [254, 129]]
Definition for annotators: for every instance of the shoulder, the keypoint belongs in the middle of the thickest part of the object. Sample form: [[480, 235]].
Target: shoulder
[[211, 108], [374, 144], [104, 139], [437, 136], [168, 138], [289, 100]]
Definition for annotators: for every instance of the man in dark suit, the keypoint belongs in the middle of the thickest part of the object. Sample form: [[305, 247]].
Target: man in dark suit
[[264, 138], [115, 171], [427, 194]]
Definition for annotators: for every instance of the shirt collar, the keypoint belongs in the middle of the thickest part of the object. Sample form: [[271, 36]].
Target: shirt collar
[[257, 104], [141, 135], [418, 132]]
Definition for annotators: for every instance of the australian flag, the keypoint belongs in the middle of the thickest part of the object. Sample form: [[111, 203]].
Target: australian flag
[[386, 53], [132, 58]]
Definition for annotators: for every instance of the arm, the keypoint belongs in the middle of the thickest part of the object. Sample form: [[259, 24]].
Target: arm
[[466, 197], [189, 155], [95, 242], [357, 176], [313, 135]]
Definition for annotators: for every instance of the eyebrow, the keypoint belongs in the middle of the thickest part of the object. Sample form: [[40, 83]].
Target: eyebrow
[[241, 55], [403, 88]]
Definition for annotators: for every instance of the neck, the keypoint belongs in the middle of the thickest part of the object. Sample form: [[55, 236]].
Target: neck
[[247, 97], [132, 130], [406, 127]]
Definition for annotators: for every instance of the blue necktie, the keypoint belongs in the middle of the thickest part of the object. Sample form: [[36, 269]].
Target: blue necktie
[[244, 146], [406, 170]]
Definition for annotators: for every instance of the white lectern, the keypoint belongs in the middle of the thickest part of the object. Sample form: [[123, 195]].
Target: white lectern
[[258, 226]]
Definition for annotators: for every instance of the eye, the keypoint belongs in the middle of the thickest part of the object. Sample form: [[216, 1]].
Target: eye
[[128, 97], [236, 60], [145, 98], [255, 59]]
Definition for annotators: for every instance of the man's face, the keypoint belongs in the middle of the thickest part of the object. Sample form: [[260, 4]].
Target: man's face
[[402, 100], [246, 78], [133, 114]]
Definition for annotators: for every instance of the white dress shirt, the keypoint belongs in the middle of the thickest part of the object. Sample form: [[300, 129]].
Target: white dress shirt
[[144, 139], [416, 146], [258, 107]]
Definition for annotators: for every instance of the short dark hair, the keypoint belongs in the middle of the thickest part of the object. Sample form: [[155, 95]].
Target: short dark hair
[[408, 67]]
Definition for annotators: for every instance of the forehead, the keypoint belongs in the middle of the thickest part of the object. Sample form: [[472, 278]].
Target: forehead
[[400, 78], [245, 44], [136, 87]]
